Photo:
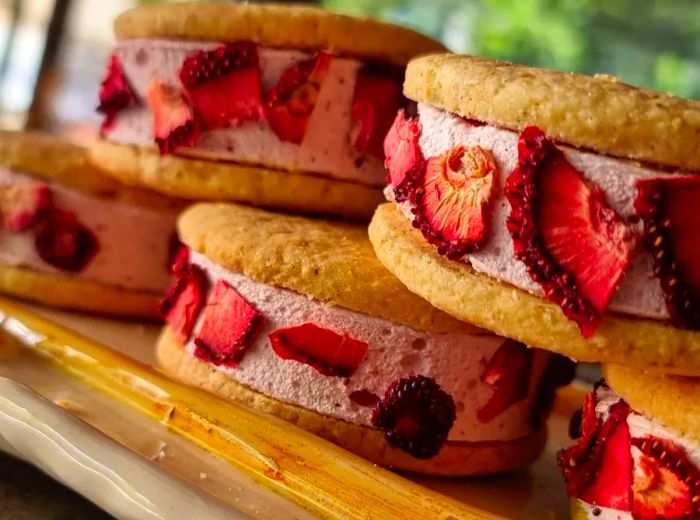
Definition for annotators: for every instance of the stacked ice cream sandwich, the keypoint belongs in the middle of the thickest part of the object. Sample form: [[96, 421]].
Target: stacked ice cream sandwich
[[279, 106], [560, 210], [73, 237]]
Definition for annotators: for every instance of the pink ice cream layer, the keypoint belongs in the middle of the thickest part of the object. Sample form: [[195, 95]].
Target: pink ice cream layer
[[640, 427], [326, 149], [639, 292], [456, 361], [133, 242]]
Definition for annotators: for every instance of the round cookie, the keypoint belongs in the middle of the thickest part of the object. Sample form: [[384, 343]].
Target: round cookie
[[457, 289], [78, 295], [673, 401], [66, 167], [276, 25], [591, 112], [454, 459], [211, 180]]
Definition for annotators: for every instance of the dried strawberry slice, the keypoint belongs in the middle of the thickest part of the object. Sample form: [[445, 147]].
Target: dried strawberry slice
[[20, 205], [174, 124], [224, 84], [668, 208], [183, 301], [376, 99], [62, 241], [666, 483], [404, 159], [330, 353], [178, 255], [416, 415], [228, 325], [508, 375], [451, 200], [289, 104], [572, 243], [115, 93], [581, 463]]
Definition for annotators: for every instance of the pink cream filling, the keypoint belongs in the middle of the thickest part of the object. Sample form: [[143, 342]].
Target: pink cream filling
[[326, 149], [639, 292], [456, 361], [133, 242]]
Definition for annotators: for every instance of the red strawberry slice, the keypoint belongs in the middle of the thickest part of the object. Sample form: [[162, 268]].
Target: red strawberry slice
[[611, 486], [224, 84], [330, 353], [178, 255], [572, 242], [20, 205], [62, 241], [450, 202], [404, 159], [183, 301], [668, 208], [228, 325], [666, 483], [376, 99], [508, 374], [174, 124], [288, 106], [115, 94]]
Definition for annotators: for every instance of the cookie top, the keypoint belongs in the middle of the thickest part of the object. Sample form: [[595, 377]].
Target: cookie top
[[598, 113], [329, 261], [55, 159], [673, 401], [276, 25]]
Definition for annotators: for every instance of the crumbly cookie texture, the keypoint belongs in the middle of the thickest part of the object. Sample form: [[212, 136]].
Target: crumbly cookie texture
[[76, 294], [457, 289], [297, 27], [209, 180], [593, 112], [454, 459], [673, 401], [329, 261], [57, 160]]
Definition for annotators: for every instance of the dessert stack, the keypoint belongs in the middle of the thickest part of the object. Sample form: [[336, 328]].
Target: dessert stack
[[287, 108], [560, 210]]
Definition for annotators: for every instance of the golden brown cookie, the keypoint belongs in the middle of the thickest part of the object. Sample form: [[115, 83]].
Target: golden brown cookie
[[455, 458], [592, 112], [577, 510], [459, 290], [330, 261], [210, 180], [77, 294], [275, 25], [673, 401], [55, 159]]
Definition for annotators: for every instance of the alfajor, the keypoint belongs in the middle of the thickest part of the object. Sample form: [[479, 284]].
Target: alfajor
[[73, 237], [553, 208], [298, 318], [279, 106], [638, 450]]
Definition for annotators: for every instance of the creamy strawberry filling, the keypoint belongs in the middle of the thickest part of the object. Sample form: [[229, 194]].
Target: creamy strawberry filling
[[627, 465], [639, 291], [86, 236], [342, 364], [325, 117]]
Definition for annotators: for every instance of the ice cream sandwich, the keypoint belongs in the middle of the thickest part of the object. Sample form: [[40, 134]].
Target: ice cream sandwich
[[73, 237], [556, 209], [279, 106], [297, 318]]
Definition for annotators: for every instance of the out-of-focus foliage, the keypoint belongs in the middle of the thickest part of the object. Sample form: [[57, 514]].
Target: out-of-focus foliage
[[652, 43]]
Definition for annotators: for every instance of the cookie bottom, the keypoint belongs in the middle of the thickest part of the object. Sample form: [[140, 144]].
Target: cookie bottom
[[457, 289], [576, 510], [77, 294], [199, 179], [455, 458]]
